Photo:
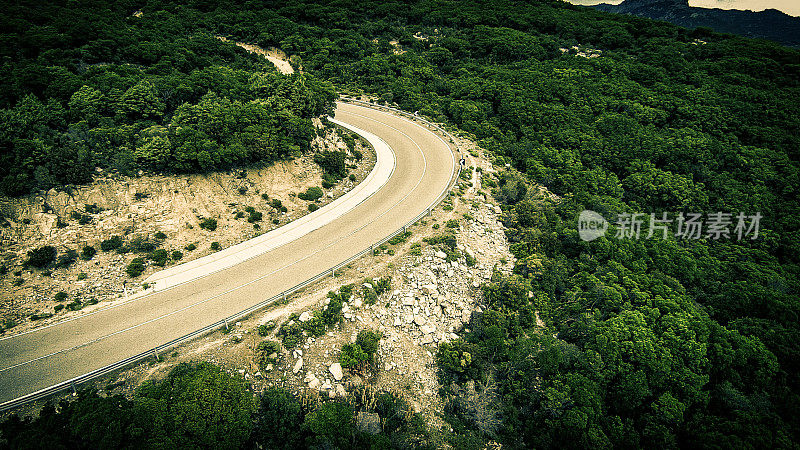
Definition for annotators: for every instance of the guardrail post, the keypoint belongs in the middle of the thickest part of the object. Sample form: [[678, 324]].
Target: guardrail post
[[155, 353], [333, 272], [226, 323], [74, 389], [284, 296]]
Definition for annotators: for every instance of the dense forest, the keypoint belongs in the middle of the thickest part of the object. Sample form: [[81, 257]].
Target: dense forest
[[648, 343]]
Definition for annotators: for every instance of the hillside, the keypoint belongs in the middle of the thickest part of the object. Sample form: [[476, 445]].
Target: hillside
[[667, 339], [769, 24]]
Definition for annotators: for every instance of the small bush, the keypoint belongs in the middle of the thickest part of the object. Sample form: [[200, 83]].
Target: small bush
[[66, 259], [60, 223], [352, 177], [215, 246], [142, 245], [159, 257], [255, 216], [191, 247], [135, 268], [263, 330], [276, 221], [75, 305], [416, 249], [284, 209], [41, 257], [58, 308], [92, 209], [177, 255], [275, 203], [265, 196], [208, 224], [452, 223], [88, 252], [332, 162], [60, 296], [160, 236], [313, 207], [81, 276], [112, 243], [400, 238], [435, 226], [311, 194], [82, 219]]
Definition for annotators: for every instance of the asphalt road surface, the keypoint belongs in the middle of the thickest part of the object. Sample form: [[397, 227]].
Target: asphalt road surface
[[43, 357]]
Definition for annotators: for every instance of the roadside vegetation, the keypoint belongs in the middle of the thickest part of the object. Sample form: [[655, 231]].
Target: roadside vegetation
[[644, 343]]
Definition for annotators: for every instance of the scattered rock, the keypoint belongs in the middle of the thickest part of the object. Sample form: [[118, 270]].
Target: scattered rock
[[298, 365], [336, 371]]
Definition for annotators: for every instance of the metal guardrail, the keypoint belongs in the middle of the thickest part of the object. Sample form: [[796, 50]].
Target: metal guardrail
[[74, 382]]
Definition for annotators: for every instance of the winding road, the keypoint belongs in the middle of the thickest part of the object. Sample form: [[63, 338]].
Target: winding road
[[423, 166]]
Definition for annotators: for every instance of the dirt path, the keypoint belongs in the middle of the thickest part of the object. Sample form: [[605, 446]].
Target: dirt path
[[274, 55]]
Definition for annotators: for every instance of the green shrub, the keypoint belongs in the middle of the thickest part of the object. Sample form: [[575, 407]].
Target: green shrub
[[313, 207], [311, 194], [60, 296], [215, 246], [142, 245], [291, 335], [208, 224], [92, 209], [368, 341], [416, 249], [67, 258], [352, 177], [58, 307], [265, 196], [400, 238], [177, 255], [191, 247], [135, 268], [83, 219], [81, 276], [88, 252], [255, 216], [435, 226], [275, 203], [352, 355], [75, 305], [41, 257], [159, 257], [263, 330], [40, 316], [332, 162], [112, 243], [160, 236], [276, 221], [452, 223]]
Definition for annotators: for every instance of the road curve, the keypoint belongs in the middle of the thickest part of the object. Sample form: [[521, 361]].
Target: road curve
[[43, 357]]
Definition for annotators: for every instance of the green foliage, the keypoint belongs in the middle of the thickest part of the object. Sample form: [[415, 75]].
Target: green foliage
[[159, 257], [279, 421], [191, 247], [332, 163], [362, 352], [255, 216], [400, 238], [135, 268], [160, 236], [312, 207], [176, 255], [60, 296], [209, 224], [41, 257], [215, 246], [67, 258], [264, 329], [88, 252], [112, 243], [275, 203], [332, 425], [311, 194], [452, 223]]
